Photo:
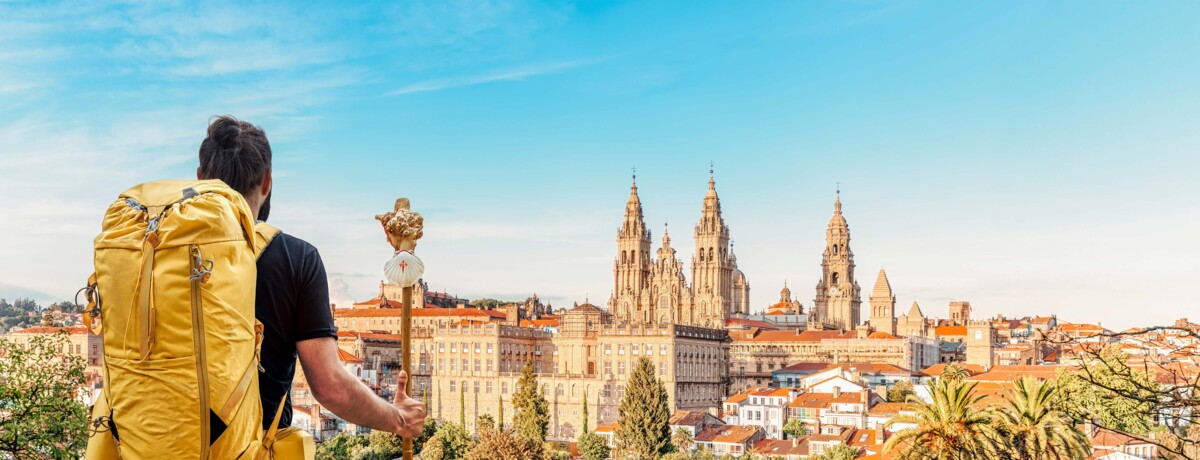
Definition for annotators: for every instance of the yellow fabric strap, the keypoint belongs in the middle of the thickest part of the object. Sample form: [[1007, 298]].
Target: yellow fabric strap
[[263, 234], [239, 392], [269, 439]]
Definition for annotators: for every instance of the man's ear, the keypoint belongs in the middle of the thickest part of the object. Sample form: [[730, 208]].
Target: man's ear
[[266, 183], [198, 174]]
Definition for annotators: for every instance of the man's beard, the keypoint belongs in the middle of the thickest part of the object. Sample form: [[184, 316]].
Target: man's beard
[[265, 210]]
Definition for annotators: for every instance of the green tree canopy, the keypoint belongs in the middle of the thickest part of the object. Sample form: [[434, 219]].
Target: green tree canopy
[[533, 414], [41, 417], [593, 446], [1034, 429], [795, 428], [644, 415], [496, 444], [951, 427], [1107, 390], [900, 392]]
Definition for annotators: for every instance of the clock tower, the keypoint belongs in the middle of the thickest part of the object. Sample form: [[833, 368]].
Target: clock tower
[[838, 303]]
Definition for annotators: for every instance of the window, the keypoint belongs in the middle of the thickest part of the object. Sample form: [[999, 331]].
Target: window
[[453, 366], [608, 349], [452, 386], [621, 349], [477, 347], [503, 388], [662, 368], [608, 367], [489, 348], [476, 386], [465, 365], [834, 278], [477, 366], [634, 349], [441, 348], [662, 349], [454, 347], [489, 387], [621, 368], [489, 366]]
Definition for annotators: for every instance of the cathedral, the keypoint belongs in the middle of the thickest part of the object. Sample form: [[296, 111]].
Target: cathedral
[[652, 289], [838, 304]]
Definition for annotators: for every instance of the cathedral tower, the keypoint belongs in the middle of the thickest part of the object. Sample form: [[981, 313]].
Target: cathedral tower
[[632, 265], [883, 305], [712, 265], [673, 301], [838, 303]]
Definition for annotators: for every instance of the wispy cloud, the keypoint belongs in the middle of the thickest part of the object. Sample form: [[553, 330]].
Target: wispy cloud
[[496, 76]]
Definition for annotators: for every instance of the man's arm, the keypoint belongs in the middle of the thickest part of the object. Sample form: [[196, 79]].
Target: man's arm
[[350, 399]]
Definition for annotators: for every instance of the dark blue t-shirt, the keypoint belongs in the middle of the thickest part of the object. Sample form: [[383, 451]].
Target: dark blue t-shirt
[[293, 305]]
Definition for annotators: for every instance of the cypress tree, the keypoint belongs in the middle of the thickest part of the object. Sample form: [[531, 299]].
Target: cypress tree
[[533, 413], [500, 417], [644, 415], [585, 413], [462, 408]]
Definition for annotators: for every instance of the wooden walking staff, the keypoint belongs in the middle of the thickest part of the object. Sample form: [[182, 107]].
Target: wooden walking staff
[[404, 227]]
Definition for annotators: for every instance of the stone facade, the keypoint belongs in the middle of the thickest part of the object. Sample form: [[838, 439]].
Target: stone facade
[[654, 290], [838, 304], [883, 305]]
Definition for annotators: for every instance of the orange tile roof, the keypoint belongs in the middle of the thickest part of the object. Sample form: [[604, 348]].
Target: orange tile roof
[[812, 400], [607, 428], [737, 398], [944, 331], [416, 312], [777, 392], [782, 447], [889, 408], [51, 330], [369, 335], [347, 357], [936, 369], [728, 434], [540, 323], [1010, 373]]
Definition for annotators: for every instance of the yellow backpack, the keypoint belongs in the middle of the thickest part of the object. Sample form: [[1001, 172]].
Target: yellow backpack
[[173, 298]]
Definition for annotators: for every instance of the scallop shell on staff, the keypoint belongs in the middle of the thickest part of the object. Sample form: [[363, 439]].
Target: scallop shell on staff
[[404, 269]]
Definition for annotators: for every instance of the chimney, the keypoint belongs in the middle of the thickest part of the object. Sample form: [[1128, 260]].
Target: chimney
[[795, 441], [837, 392], [866, 398], [880, 434]]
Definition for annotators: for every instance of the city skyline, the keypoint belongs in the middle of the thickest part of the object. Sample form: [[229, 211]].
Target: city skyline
[[1030, 159]]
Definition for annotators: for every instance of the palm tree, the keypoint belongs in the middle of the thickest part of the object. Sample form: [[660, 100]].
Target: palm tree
[[682, 439], [951, 427], [955, 371], [840, 452], [1034, 429]]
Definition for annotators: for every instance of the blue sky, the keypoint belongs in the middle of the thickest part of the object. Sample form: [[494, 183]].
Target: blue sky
[[1031, 157]]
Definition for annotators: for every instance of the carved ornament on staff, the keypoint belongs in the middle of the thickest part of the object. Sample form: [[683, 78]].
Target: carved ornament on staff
[[403, 228]]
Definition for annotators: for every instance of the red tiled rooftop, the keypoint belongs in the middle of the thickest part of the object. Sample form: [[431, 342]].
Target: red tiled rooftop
[[949, 331]]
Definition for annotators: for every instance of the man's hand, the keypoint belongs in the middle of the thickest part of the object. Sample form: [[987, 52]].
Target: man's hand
[[411, 412]]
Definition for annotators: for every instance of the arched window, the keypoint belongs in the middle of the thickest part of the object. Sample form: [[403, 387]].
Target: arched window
[[835, 249], [834, 278], [710, 254]]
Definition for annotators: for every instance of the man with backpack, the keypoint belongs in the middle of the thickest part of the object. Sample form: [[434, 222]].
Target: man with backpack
[[293, 299]]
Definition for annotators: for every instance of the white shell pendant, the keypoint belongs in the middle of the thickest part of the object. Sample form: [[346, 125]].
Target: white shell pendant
[[404, 269]]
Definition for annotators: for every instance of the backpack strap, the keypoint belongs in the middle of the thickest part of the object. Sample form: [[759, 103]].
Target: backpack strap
[[263, 234]]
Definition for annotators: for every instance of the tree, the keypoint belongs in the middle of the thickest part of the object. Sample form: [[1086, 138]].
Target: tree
[[840, 452], [593, 446], [899, 392], [462, 407], [427, 432], [533, 414], [644, 416], [948, 428], [343, 445], [956, 372], [795, 428], [585, 412], [485, 422], [1034, 429], [434, 449], [41, 417], [380, 446], [682, 438], [1106, 390], [500, 416], [453, 440], [505, 445]]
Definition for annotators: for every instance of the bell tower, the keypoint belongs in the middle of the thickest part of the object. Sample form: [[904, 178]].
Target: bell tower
[[712, 264], [883, 305], [631, 271], [838, 303]]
